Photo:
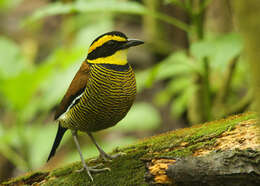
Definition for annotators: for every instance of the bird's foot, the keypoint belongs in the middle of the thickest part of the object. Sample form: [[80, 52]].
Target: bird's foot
[[93, 169], [107, 157]]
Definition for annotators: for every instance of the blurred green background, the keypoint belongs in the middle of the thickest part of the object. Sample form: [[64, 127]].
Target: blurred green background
[[189, 71]]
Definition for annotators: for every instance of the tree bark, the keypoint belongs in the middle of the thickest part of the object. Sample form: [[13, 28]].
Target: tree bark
[[226, 168]]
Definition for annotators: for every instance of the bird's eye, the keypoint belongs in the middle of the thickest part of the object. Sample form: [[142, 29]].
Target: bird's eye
[[110, 42]]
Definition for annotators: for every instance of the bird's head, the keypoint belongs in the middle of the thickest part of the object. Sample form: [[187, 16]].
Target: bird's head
[[111, 48]]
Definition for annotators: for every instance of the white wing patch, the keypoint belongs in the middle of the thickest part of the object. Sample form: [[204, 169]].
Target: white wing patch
[[63, 116]]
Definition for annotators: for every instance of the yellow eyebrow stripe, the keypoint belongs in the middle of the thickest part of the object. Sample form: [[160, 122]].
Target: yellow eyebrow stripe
[[104, 39]]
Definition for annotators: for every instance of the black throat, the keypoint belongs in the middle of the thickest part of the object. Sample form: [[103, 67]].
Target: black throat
[[116, 67]]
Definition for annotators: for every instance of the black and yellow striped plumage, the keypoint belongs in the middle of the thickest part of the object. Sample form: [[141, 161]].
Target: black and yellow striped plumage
[[107, 98], [101, 93]]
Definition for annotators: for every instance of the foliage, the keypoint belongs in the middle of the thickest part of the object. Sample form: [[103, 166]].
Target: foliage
[[200, 78], [180, 68]]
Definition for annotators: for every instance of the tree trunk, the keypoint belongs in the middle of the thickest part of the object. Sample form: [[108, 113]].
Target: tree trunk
[[247, 16]]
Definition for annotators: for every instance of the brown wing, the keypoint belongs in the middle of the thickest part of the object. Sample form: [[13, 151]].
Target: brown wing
[[77, 86]]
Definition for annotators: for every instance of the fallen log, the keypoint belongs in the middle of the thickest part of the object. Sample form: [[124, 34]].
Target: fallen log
[[223, 152]]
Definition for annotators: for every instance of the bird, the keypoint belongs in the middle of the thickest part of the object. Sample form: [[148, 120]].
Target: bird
[[100, 94]]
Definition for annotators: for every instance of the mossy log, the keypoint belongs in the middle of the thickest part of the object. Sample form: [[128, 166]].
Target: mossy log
[[223, 152]]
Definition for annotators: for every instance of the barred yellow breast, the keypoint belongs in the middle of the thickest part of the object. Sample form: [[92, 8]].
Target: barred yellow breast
[[107, 98]]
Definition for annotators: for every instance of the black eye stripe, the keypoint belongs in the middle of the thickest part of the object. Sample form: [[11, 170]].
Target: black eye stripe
[[107, 49], [113, 42], [110, 42]]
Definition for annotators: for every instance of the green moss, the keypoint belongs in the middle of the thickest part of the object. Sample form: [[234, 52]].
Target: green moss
[[62, 171], [131, 167], [128, 167], [28, 179]]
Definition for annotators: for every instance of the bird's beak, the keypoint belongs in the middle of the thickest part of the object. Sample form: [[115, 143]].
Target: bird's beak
[[131, 43]]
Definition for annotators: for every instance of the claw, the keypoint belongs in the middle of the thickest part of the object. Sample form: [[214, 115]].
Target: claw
[[87, 169], [96, 166], [93, 169], [107, 157], [100, 170], [102, 153]]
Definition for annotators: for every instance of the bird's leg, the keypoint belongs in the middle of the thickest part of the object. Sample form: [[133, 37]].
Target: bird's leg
[[85, 167], [102, 153]]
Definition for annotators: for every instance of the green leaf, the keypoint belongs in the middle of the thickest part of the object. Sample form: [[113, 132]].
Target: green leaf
[[88, 7], [176, 64], [12, 62], [20, 89], [179, 105], [176, 86], [125, 7], [220, 50]]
